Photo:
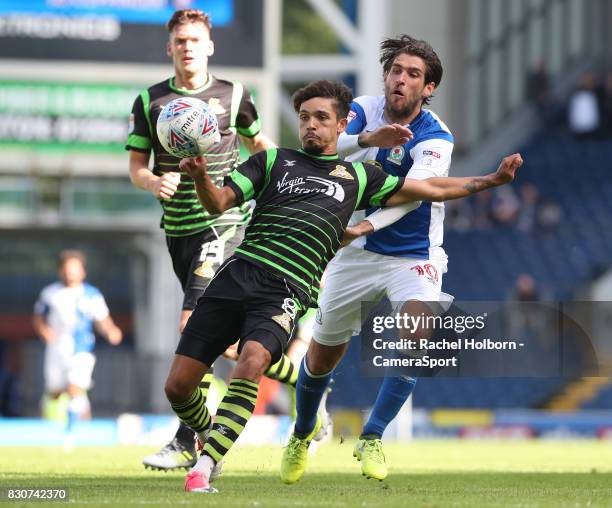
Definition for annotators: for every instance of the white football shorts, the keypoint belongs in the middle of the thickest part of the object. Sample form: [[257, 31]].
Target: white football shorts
[[62, 369], [357, 277]]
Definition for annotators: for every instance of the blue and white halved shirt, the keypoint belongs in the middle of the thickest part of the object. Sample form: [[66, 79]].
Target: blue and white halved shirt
[[419, 234]]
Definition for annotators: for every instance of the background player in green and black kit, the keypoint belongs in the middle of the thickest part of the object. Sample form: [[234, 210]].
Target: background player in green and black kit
[[198, 241], [304, 200]]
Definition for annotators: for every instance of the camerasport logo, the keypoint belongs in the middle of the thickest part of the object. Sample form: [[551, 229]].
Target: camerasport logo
[[427, 270]]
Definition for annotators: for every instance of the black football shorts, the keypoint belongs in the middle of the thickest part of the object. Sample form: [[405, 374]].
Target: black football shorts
[[243, 302], [196, 258]]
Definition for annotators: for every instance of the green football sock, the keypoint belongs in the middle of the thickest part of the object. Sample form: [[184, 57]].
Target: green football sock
[[232, 415], [283, 371]]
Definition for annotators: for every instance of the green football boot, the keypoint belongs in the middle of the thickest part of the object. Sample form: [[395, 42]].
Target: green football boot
[[370, 453], [295, 455]]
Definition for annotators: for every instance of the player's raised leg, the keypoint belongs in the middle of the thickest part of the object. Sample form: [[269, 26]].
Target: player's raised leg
[[232, 416], [283, 371], [187, 400]]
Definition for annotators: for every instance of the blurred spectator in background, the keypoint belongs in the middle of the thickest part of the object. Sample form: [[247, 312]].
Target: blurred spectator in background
[[505, 207], [482, 211], [527, 212], [549, 215], [540, 94], [64, 317], [458, 215], [525, 289], [529, 202], [583, 109], [534, 323]]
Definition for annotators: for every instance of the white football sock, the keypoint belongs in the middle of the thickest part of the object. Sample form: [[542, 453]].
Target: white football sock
[[204, 465]]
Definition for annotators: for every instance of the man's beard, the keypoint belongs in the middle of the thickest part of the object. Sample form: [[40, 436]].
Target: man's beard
[[313, 149], [402, 112]]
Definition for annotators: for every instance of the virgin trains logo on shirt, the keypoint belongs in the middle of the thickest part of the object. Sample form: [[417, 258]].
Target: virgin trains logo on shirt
[[299, 185]]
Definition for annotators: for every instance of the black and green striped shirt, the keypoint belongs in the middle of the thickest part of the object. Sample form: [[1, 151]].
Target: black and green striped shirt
[[304, 203], [183, 214]]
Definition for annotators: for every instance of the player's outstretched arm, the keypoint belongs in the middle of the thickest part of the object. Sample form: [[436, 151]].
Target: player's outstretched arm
[[446, 188], [214, 199], [257, 143]]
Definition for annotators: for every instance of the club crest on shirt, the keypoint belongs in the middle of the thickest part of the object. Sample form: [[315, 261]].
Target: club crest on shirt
[[341, 172], [396, 155], [205, 270], [216, 106], [284, 321]]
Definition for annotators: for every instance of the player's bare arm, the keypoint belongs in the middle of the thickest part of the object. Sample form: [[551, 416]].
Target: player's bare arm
[[109, 330], [446, 188], [257, 143], [42, 329], [440, 189], [386, 136], [214, 199], [162, 187]]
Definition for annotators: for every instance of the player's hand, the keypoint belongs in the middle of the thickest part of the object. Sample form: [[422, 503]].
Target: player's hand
[[195, 167], [353, 232], [115, 336], [386, 136], [507, 169], [49, 337], [165, 186]]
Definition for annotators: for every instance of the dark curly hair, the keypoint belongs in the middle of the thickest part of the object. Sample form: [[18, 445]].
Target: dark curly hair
[[333, 90], [390, 49]]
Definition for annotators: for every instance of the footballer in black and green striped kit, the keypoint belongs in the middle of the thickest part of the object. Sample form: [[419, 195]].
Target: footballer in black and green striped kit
[[304, 199], [304, 202], [183, 215], [198, 241]]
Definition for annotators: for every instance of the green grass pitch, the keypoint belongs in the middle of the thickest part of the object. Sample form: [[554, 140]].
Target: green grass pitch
[[449, 473]]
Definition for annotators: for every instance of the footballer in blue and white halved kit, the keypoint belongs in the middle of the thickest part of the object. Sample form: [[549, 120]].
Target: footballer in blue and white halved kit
[[403, 259], [65, 315], [70, 312]]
